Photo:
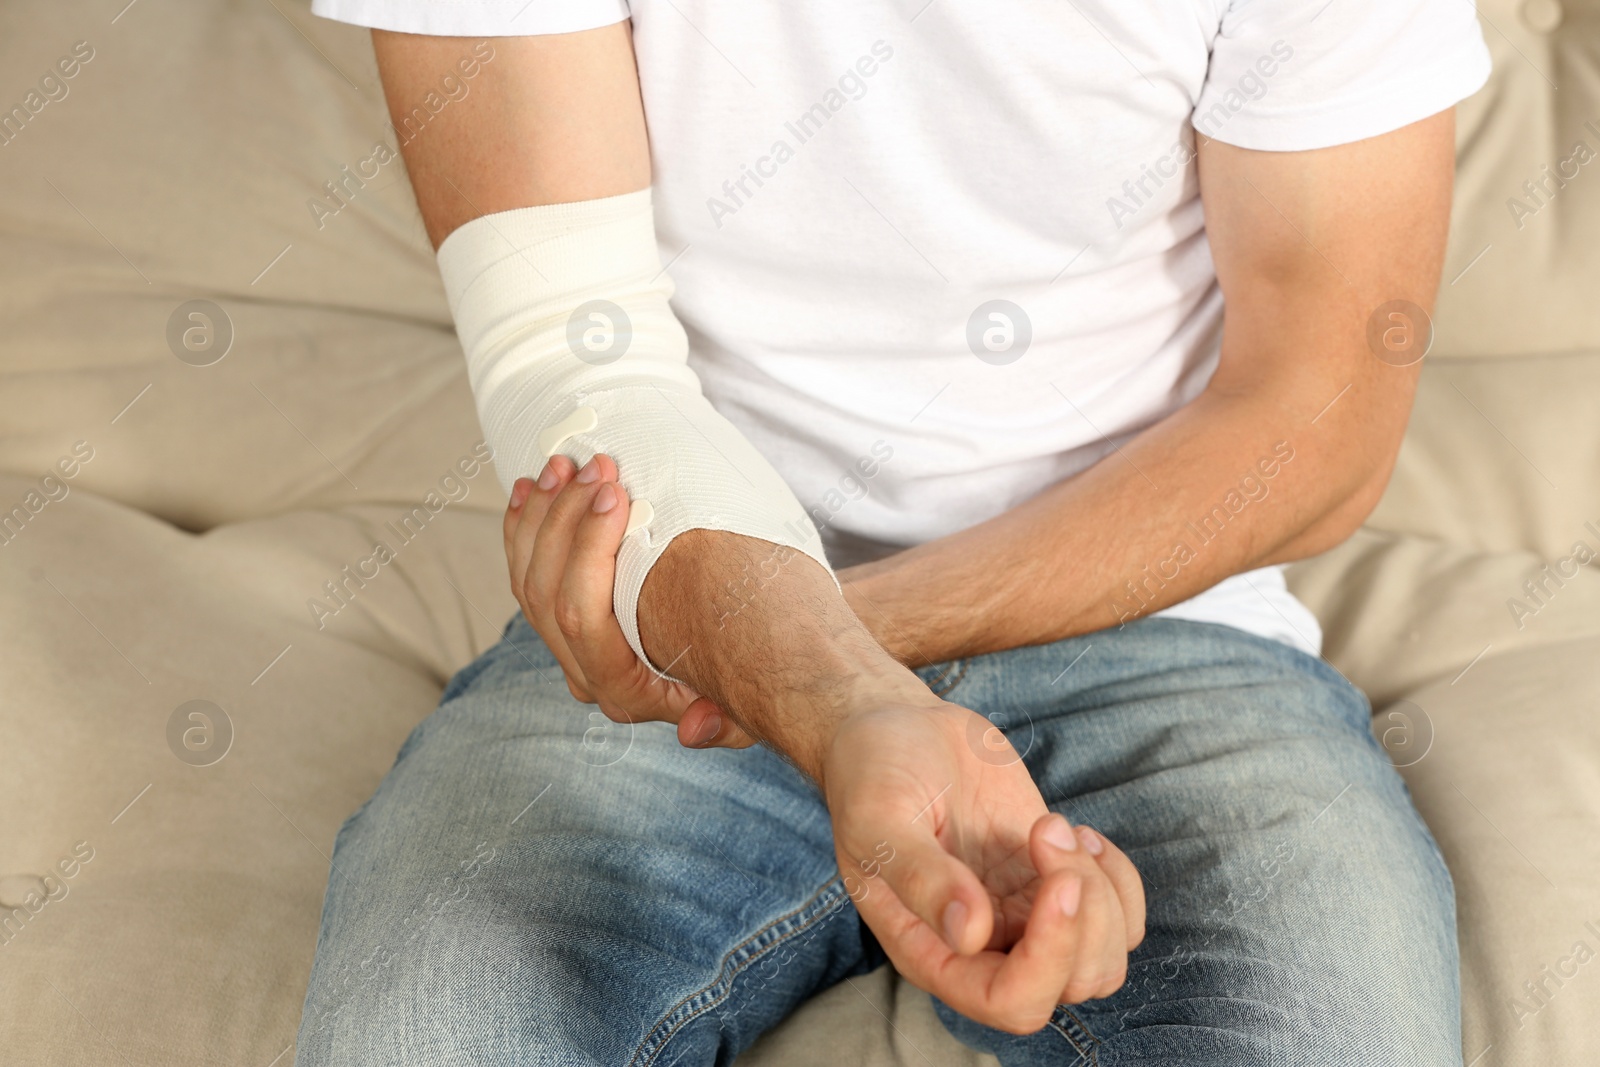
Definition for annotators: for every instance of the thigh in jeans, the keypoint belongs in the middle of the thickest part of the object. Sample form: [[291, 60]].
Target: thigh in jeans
[[532, 884], [1299, 912]]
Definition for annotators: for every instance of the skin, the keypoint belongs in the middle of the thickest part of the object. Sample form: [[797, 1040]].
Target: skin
[[1307, 246], [976, 891]]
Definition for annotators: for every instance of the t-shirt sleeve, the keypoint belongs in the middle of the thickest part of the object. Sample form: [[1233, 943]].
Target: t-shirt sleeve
[[1288, 75], [475, 18]]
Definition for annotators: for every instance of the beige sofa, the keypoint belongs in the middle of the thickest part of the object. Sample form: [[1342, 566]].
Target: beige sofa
[[189, 485]]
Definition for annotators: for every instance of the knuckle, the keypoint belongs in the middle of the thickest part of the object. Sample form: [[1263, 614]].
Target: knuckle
[[639, 682], [1115, 982], [1102, 890], [568, 617], [569, 500], [913, 884], [531, 594], [1024, 1021], [1078, 991], [1096, 983]]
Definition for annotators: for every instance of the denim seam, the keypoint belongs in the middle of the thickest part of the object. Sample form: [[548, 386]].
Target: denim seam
[[734, 963], [1087, 1049]]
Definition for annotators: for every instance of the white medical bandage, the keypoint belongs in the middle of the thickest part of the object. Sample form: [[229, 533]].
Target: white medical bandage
[[572, 348]]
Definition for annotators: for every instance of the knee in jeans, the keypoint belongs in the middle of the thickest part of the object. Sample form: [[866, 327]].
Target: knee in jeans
[[450, 985]]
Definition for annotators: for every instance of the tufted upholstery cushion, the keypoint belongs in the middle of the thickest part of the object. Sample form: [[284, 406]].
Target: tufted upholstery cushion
[[1532, 290]]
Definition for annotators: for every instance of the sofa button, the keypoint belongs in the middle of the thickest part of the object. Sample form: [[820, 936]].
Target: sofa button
[[1542, 16], [14, 889]]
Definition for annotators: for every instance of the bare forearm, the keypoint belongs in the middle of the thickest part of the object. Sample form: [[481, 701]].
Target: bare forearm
[[761, 630], [1223, 486], [1314, 250]]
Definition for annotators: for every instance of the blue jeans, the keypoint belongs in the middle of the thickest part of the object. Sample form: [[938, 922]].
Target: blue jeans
[[532, 884]]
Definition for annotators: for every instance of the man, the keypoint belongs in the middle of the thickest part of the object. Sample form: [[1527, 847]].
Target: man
[[954, 278]]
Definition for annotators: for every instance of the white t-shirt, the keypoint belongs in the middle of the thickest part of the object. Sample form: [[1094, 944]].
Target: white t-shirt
[[933, 257]]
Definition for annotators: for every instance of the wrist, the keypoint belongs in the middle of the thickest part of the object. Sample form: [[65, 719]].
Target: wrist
[[785, 658], [851, 678]]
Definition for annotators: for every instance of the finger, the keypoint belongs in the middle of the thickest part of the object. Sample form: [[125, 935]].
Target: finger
[[547, 555], [577, 687], [703, 725], [1028, 982], [1064, 926], [1052, 843], [553, 539], [522, 523], [1124, 878], [522, 533], [1017, 990], [571, 672], [1100, 957], [938, 888], [520, 489], [1113, 863], [536, 492], [581, 602], [583, 610], [1101, 960], [519, 495]]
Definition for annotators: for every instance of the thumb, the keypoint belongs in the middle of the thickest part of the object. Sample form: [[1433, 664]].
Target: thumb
[[933, 884], [703, 725]]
